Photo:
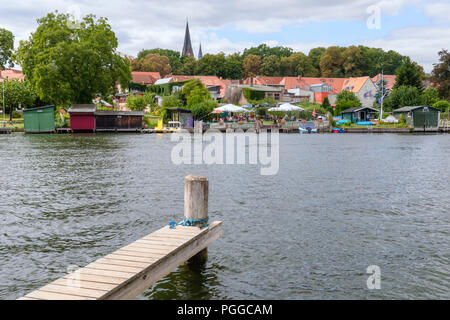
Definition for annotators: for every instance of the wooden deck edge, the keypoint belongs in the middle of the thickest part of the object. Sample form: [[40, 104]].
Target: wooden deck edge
[[156, 271]]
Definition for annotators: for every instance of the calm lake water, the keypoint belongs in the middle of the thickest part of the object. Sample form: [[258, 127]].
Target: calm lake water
[[338, 204]]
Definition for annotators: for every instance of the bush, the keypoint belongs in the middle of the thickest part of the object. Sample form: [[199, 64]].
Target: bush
[[202, 111], [442, 105], [345, 104]]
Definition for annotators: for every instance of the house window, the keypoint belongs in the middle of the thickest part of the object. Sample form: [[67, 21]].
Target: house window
[[277, 96]]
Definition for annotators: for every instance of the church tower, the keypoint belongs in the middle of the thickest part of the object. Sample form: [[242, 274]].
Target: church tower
[[187, 46], [200, 53]]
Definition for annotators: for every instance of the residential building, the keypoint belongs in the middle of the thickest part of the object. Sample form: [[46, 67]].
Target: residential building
[[363, 88], [11, 74], [235, 94]]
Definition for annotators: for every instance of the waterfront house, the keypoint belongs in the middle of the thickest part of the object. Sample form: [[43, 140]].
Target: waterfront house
[[39, 120], [118, 121], [82, 117], [235, 93], [358, 114], [419, 116]]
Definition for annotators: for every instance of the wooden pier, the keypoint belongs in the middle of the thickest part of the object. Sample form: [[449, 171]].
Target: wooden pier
[[129, 271]]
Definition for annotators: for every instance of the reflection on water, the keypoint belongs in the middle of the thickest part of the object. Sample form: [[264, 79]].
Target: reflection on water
[[339, 204]]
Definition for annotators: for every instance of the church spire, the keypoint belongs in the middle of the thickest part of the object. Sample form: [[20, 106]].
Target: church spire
[[187, 46], [200, 53]]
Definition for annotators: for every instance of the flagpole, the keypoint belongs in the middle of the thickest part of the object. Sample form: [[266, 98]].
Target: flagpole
[[382, 95]]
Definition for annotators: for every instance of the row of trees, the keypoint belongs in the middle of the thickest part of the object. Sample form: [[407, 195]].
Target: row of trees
[[65, 61], [263, 60]]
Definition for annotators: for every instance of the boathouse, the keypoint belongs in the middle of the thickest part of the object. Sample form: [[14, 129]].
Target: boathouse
[[39, 120], [358, 114], [118, 121], [82, 117], [419, 116], [184, 116]]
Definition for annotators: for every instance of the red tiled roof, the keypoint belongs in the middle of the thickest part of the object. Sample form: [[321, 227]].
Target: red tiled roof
[[208, 81], [389, 78], [145, 77], [354, 84], [12, 74], [301, 82]]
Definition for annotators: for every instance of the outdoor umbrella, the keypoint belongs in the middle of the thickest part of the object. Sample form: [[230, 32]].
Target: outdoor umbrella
[[229, 108], [287, 107]]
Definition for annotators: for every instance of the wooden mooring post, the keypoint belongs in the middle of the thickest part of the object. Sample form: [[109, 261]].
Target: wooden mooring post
[[129, 271]]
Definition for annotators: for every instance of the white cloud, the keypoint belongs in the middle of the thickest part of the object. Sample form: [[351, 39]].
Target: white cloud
[[147, 24]]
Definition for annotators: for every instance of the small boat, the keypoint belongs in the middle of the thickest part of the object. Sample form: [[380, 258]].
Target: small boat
[[338, 130], [307, 127]]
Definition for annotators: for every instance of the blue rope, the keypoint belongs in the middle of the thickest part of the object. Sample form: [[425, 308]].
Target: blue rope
[[190, 223]]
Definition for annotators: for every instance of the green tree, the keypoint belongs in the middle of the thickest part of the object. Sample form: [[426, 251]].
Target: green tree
[[172, 101], [409, 74], [381, 90], [326, 105], [189, 66], [403, 96], [17, 94], [251, 65], [174, 57], [69, 62], [270, 66], [298, 64], [233, 66], [202, 110], [6, 48], [195, 92], [353, 62], [442, 105], [315, 55], [153, 62], [441, 74], [347, 96], [430, 96], [212, 65], [140, 103], [331, 63], [263, 50]]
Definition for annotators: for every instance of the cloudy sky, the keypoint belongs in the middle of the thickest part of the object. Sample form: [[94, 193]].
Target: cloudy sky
[[418, 28]]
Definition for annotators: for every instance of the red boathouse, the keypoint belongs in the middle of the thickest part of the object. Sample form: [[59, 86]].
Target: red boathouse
[[82, 117]]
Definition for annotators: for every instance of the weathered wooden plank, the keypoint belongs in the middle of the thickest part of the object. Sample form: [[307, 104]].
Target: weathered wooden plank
[[124, 263], [54, 296], [114, 267], [85, 284], [117, 274], [157, 250], [74, 291], [95, 278], [117, 256], [139, 254]]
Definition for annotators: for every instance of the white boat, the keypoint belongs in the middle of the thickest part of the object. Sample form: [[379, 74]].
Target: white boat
[[308, 127]]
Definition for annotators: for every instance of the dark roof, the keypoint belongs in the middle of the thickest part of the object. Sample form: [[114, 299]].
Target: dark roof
[[179, 110], [119, 113], [356, 109], [82, 108], [411, 108], [38, 108]]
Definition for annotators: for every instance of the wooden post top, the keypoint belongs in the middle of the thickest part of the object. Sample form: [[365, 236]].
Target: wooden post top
[[196, 197]]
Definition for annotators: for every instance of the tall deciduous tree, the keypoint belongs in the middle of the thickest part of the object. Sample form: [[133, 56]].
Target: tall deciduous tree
[[353, 62], [189, 66], [195, 92], [271, 66], [251, 65], [153, 62], [298, 64], [441, 74], [331, 63], [212, 65], [174, 57], [233, 66], [71, 62], [403, 96], [6, 48], [315, 55]]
